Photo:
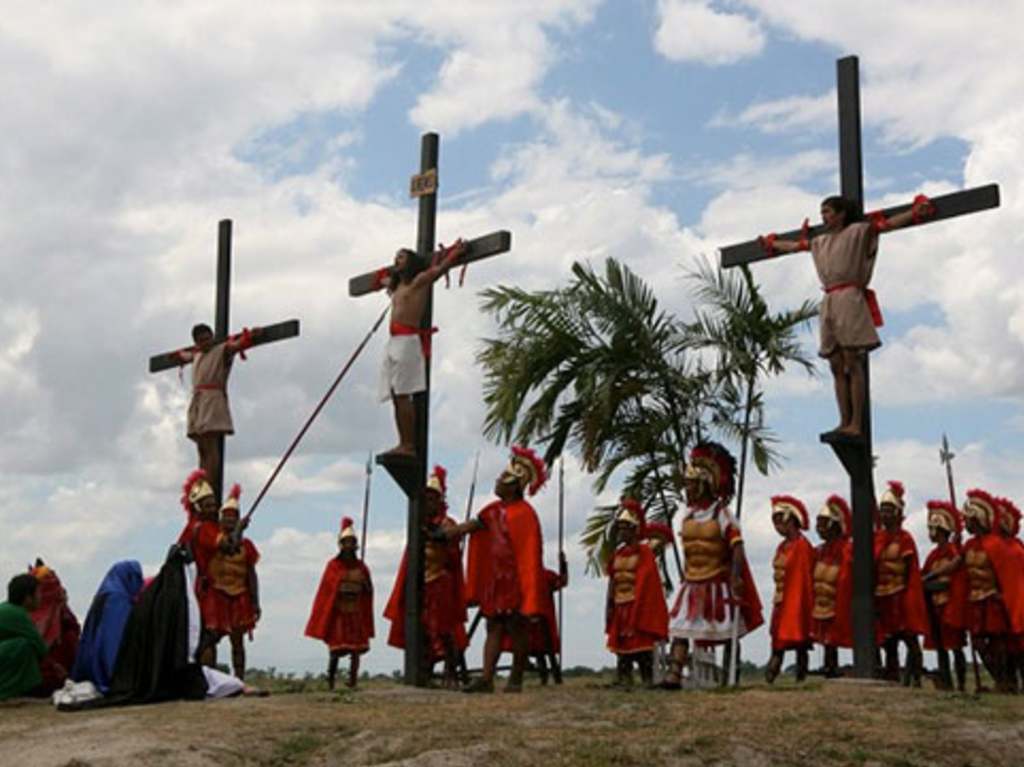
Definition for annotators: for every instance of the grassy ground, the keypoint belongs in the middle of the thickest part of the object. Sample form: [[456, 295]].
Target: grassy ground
[[580, 723]]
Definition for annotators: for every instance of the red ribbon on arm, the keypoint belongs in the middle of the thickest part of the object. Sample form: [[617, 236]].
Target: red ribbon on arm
[[381, 277], [878, 221], [767, 242], [921, 208], [805, 235]]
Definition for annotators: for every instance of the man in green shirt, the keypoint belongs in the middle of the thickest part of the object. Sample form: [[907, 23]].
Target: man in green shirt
[[21, 646]]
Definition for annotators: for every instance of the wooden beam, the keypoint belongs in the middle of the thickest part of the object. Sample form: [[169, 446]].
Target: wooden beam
[[946, 206], [271, 333], [476, 250]]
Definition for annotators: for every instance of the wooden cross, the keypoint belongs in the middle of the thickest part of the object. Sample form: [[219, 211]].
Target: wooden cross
[[411, 473], [268, 334], [855, 455]]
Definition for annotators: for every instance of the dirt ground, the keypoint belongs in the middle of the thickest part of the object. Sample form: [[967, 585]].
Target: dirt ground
[[580, 723]]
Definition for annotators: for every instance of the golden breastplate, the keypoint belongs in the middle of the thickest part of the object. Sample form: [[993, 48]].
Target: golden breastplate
[[435, 557], [705, 550], [779, 573], [229, 573], [981, 578], [349, 590], [941, 597], [624, 578], [892, 571], [826, 576]]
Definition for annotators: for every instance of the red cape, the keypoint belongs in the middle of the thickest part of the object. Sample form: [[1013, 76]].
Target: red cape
[[504, 565], [791, 619], [953, 614], [838, 631], [322, 614], [647, 614], [542, 636], [1007, 557], [444, 606], [913, 616]]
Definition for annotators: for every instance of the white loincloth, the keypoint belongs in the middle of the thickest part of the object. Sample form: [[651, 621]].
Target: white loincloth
[[404, 370]]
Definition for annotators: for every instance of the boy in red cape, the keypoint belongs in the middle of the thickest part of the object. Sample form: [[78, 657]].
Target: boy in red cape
[[57, 625], [342, 615], [833, 582], [945, 586], [444, 603], [505, 566], [899, 593], [717, 589], [636, 618], [229, 595], [794, 586]]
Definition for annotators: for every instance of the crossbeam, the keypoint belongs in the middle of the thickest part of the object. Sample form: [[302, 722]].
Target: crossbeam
[[946, 206], [476, 250], [269, 334]]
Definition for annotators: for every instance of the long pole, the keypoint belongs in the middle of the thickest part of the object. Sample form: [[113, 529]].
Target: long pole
[[316, 412], [366, 504]]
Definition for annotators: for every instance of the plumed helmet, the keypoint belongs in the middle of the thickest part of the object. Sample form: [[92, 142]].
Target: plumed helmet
[[789, 506], [838, 510]]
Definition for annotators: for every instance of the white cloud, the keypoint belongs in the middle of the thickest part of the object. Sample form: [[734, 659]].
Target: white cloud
[[693, 31]]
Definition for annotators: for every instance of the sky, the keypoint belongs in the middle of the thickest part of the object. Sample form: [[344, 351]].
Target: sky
[[652, 131]]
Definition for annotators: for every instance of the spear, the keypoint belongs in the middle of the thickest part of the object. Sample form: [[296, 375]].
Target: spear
[[561, 549], [472, 487], [366, 504]]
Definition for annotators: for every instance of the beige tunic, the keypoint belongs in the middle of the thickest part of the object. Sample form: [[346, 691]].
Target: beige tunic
[[846, 256], [208, 412]]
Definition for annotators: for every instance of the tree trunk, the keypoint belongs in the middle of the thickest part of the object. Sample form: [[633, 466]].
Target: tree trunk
[[741, 481]]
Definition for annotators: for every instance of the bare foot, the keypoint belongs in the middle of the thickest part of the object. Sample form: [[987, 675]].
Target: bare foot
[[849, 431], [402, 450]]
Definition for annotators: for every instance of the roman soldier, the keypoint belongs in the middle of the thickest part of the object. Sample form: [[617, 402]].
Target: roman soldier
[[717, 588], [1009, 529], [793, 603], [200, 505], [229, 597], [833, 582], [342, 615], [444, 603], [899, 594], [636, 618], [505, 566], [945, 588]]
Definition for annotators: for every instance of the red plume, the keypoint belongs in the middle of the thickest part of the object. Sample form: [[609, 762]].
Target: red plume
[[949, 508], [236, 491], [789, 500], [346, 522], [844, 511], [897, 488], [194, 477], [539, 468], [442, 476], [638, 511]]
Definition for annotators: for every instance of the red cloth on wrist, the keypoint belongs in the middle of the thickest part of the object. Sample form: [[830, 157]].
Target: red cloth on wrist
[[921, 208], [767, 242]]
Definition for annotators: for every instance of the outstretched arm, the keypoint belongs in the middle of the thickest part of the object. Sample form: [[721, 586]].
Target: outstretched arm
[[772, 244], [921, 209], [449, 257]]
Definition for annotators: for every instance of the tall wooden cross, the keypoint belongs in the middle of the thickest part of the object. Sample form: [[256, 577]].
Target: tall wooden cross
[[411, 474], [855, 455], [222, 303]]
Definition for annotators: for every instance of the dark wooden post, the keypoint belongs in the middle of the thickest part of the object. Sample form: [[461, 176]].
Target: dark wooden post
[[222, 323]]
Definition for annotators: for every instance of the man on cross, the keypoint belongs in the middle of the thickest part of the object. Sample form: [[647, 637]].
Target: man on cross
[[844, 256], [404, 371], [209, 417]]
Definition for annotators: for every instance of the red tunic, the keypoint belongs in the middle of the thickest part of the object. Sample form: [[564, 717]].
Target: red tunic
[[637, 616], [504, 566], [226, 599], [833, 558], [950, 606], [899, 596], [342, 614], [444, 602], [794, 594]]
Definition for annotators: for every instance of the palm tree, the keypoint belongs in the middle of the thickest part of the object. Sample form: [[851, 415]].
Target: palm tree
[[750, 343]]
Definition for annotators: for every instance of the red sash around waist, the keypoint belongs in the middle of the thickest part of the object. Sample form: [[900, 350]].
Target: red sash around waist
[[398, 329], [869, 296], [208, 387]]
